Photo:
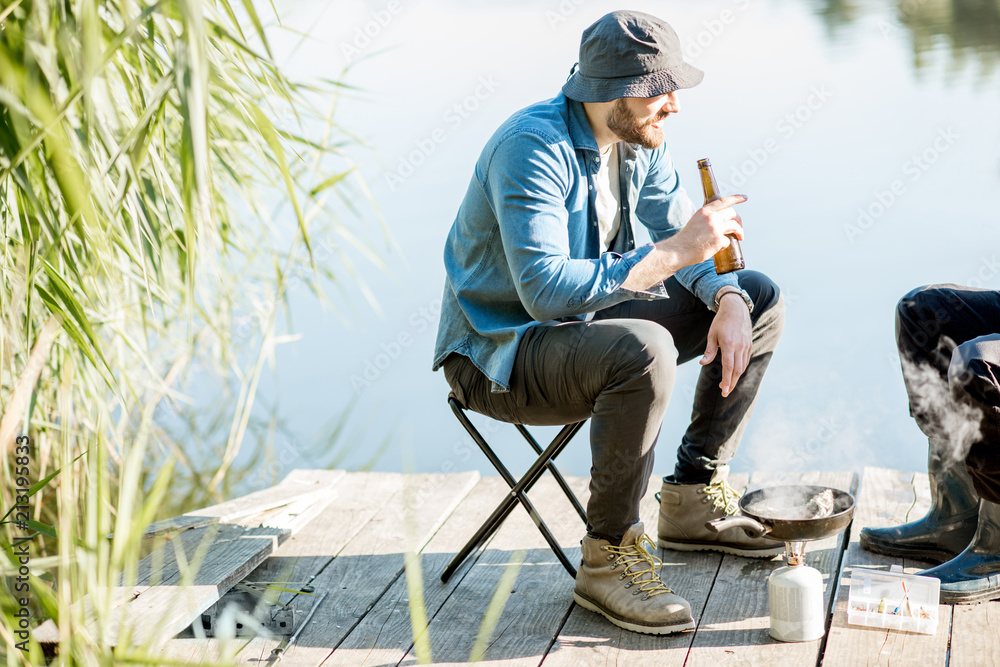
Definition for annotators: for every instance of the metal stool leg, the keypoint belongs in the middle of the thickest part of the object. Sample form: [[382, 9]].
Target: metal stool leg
[[518, 490], [517, 493], [547, 534], [567, 432], [484, 533]]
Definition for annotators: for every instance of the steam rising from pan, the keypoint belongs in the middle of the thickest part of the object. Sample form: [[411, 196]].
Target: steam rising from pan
[[790, 503]]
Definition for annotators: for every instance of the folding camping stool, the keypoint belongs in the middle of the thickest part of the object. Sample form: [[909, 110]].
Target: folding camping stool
[[518, 488]]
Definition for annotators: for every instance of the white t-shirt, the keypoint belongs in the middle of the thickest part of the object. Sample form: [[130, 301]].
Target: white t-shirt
[[608, 198]]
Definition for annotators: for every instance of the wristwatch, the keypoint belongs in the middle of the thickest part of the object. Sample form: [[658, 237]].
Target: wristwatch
[[731, 289]]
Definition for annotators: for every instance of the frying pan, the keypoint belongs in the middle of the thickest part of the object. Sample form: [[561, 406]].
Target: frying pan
[[764, 509]]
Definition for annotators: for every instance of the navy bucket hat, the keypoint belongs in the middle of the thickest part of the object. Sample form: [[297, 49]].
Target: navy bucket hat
[[629, 54]]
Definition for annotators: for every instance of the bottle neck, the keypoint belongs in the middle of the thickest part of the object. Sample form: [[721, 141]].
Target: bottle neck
[[708, 184]]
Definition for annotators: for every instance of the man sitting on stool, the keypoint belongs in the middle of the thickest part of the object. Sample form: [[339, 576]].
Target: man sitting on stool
[[552, 315]]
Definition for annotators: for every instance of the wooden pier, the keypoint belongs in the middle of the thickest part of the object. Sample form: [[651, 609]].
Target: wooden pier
[[355, 547]]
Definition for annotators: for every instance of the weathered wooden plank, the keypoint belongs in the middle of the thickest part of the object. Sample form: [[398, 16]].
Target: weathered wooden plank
[[734, 627], [384, 635], [588, 638], [175, 525], [295, 485], [162, 603], [167, 598], [886, 498], [359, 497], [355, 550], [975, 629], [975, 634], [295, 514], [542, 595], [375, 625], [369, 564], [906, 647]]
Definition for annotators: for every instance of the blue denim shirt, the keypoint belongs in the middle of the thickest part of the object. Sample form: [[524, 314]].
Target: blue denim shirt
[[525, 250]]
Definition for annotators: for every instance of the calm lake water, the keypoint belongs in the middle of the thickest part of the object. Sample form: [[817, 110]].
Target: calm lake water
[[866, 134]]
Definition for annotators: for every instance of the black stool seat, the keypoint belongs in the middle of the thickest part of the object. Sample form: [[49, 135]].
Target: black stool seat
[[518, 488]]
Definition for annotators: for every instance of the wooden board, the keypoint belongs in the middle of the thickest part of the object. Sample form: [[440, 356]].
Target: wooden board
[[369, 564], [542, 594], [355, 555], [975, 634], [354, 549], [886, 498], [297, 484], [359, 497], [164, 601], [588, 638], [901, 647], [385, 636], [233, 537]]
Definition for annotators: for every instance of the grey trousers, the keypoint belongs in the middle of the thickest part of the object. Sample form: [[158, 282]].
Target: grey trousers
[[618, 370]]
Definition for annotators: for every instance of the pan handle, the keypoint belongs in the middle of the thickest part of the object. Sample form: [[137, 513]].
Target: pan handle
[[753, 528]]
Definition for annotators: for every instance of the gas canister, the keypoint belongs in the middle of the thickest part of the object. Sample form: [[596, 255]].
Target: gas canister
[[795, 599]]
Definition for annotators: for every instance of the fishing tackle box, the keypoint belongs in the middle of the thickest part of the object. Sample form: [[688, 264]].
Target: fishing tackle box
[[894, 600]]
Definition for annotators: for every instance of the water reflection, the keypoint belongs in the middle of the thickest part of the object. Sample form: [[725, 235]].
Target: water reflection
[[969, 28], [837, 14], [967, 32]]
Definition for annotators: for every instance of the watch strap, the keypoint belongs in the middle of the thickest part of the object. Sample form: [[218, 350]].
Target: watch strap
[[732, 289]]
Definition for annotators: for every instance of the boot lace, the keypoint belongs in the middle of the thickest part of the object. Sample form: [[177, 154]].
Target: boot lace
[[724, 497], [635, 556]]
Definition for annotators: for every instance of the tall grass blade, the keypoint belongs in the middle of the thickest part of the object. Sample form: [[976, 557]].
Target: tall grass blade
[[499, 600], [154, 161]]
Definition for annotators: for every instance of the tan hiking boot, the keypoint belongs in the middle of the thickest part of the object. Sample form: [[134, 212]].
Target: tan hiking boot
[[621, 584], [686, 508]]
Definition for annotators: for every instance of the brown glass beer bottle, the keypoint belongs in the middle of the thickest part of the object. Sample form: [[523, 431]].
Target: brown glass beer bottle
[[731, 258]]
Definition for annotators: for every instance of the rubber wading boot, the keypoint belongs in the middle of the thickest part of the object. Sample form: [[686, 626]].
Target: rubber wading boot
[[974, 574], [622, 584], [950, 522], [686, 508]]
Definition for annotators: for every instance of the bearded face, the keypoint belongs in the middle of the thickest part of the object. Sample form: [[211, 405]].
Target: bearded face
[[629, 127]]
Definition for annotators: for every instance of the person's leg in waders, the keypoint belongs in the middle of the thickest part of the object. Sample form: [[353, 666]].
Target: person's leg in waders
[[932, 325], [974, 379]]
